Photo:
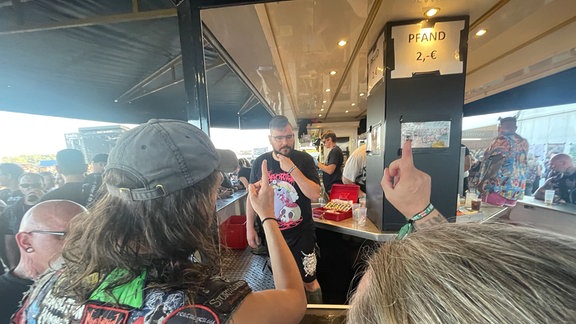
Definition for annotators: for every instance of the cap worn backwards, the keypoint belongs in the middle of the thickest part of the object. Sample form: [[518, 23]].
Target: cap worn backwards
[[166, 156]]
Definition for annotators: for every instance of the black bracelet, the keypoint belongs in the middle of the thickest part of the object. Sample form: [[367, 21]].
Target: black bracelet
[[268, 218]]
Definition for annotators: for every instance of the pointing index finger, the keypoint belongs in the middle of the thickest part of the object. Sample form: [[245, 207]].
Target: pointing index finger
[[264, 179], [407, 152]]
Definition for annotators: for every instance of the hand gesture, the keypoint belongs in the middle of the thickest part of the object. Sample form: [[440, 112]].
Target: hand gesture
[[407, 188], [261, 195], [285, 162]]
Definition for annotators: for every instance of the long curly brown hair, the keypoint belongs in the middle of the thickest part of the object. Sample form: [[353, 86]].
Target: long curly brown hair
[[158, 235]]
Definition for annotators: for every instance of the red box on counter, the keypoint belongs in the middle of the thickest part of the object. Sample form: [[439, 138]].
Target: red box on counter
[[233, 232], [341, 192]]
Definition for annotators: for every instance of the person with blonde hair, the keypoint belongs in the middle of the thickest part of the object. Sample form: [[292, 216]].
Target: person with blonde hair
[[463, 273]]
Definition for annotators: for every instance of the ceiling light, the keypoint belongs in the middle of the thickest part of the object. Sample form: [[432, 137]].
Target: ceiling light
[[321, 109], [332, 72], [323, 101], [361, 94], [327, 90], [481, 32], [342, 43], [346, 111], [431, 12], [319, 115], [353, 104]]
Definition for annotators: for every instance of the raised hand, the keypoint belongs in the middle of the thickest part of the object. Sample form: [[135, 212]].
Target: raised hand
[[285, 162], [261, 195], [407, 188]]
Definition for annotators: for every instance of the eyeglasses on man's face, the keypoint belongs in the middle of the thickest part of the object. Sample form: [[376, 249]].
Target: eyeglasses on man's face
[[36, 185], [281, 138], [56, 233]]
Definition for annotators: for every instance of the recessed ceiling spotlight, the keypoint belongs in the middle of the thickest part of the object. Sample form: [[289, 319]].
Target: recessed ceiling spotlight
[[431, 12], [353, 104], [323, 101], [332, 72], [319, 115], [361, 94], [481, 32], [346, 111], [327, 90], [342, 43], [321, 109]]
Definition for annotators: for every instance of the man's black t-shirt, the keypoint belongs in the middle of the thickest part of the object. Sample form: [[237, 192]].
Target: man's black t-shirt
[[69, 191], [9, 196], [12, 216], [334, 157], [244, 172], [292, 208], [566, 187], [12, 289]]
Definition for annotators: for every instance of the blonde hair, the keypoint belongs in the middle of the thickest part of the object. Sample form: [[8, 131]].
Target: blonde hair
[[470, 273]]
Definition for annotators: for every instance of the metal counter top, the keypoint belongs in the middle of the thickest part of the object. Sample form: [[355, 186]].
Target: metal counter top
[[371, 232], [488, 213], [563, 208], [222, 203], [349, 227]]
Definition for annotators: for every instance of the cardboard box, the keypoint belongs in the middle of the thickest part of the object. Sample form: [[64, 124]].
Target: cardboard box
[[341, 192]]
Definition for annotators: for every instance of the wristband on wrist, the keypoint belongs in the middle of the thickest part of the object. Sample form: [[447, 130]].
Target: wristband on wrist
[[268, 218], [292, 169], [409, 228]]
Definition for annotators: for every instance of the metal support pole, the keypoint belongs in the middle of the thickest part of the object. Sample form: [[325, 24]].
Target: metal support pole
[[190, 27]]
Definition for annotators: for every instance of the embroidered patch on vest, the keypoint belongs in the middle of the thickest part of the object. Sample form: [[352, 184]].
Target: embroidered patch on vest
[[96, 314], [192, 314]]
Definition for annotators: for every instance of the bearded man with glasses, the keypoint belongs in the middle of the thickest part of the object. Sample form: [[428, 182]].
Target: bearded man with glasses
[[31, 185], [295, 181], [39, 238]]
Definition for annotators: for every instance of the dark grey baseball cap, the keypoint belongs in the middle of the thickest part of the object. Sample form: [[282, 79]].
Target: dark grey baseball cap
[[166, 156]]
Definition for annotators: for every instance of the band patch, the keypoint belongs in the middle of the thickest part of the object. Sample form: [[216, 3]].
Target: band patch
[[192, 314], [96, 314]]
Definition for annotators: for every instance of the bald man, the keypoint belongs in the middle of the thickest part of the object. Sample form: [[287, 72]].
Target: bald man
[[39, 239], [562, 180]]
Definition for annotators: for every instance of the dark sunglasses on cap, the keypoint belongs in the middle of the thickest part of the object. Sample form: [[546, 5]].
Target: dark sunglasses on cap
[[36, 185]]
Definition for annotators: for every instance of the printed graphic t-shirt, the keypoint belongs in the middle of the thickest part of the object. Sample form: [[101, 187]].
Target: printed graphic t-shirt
[[137, 304], [292, 208]]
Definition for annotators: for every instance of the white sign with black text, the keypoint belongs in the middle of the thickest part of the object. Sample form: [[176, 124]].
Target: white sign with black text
[[376, 63], [432, 48]]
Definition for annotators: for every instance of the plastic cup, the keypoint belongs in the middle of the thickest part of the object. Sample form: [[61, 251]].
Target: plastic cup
[[476, 204], [355, 211], [362, 216], [549, 197], [469, 197]]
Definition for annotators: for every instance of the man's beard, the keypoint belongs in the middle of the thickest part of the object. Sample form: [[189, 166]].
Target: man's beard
[[287, 148]]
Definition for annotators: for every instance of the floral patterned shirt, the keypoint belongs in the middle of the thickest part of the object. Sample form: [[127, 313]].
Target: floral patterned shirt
[[504, 167]]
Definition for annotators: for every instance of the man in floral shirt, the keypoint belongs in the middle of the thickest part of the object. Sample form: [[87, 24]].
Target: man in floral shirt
[[503, 176]]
